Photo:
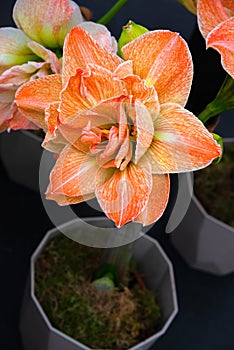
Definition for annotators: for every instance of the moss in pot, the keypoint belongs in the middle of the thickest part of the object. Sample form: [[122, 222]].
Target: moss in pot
[[214, 187], [115, 318]]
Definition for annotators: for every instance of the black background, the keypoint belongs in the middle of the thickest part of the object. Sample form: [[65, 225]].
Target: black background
[[206, 303]]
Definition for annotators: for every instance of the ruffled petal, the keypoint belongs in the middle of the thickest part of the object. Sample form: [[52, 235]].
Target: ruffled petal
[[47, 21], [80, 50], [34, 97], [107, 112], [138, 90], [86, 89], [181, 142], [125, 194], [163, 59], [222, 39], [212, 12], [158, 200], [13, 48]]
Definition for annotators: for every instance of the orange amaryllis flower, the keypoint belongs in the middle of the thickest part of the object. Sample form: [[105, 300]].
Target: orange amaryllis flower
[[120, 126], [216, 23]]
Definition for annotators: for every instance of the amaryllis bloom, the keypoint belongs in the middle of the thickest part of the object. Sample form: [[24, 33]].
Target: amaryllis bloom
[[119, 126], [26, 51], [216, 23]]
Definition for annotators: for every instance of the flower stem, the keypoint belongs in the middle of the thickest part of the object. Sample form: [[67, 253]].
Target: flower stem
[[223, 101], [112, 12]]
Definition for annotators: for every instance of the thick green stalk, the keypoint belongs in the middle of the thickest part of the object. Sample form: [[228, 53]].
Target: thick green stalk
[[112, 12]]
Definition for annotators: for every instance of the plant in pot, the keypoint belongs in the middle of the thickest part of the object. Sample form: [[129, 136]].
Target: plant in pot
[[118, 126], [205, 236]]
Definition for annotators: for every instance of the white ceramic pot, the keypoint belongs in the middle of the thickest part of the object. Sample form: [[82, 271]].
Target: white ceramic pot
[[204, 242], [36, 330]]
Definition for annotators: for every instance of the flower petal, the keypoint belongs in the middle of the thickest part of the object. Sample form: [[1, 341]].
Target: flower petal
[[102, 35], [125, 194], [181, 142], [212, 12], [157, 200], [74, 174], [80, 50], [222, 39], [163, 59], [33, 97], [13, 48], [19, 122], [144, 130], [86, 89], [47, 55], [138, 90], [61, 199], [47, 21], [106, 112]]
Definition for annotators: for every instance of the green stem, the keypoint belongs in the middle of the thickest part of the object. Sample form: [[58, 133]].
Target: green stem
[[112, 12], [223, 101]]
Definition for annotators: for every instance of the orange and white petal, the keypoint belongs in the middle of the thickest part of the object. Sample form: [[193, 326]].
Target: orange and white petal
[[163, 59], [62, 199], [54, 142], [212, 12], [125, 194], [74, 174], [80, 50], [47, 21], [158, 200], [181, 142], [35, 96], [101, 34], [144, 130], [138, 89], [222, 40], [51, 117], [13, 48], [86, 89], [123, 70], [104, 113]]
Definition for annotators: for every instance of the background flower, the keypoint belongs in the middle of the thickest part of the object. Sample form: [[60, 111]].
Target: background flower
[[216, 23]]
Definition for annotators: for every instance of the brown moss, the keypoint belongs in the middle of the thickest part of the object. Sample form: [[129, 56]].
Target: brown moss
[[100, 319]]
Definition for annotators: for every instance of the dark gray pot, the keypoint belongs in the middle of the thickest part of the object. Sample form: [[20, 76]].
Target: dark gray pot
[[38, 333], [20, 152], [204, 242]]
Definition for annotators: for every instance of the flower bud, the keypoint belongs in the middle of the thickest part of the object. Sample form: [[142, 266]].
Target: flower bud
[[130, 32]]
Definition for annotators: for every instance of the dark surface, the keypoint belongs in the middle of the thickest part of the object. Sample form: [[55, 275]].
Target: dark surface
[[206, 303]]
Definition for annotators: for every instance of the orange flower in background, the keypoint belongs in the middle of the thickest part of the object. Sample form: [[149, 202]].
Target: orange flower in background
[[216, 23], [119, 126]]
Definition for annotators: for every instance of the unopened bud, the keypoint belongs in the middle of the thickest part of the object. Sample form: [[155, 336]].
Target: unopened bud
[[130, 32]]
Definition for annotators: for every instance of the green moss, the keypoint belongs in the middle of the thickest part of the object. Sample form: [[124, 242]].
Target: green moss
[[100, 319], [214, 187]]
